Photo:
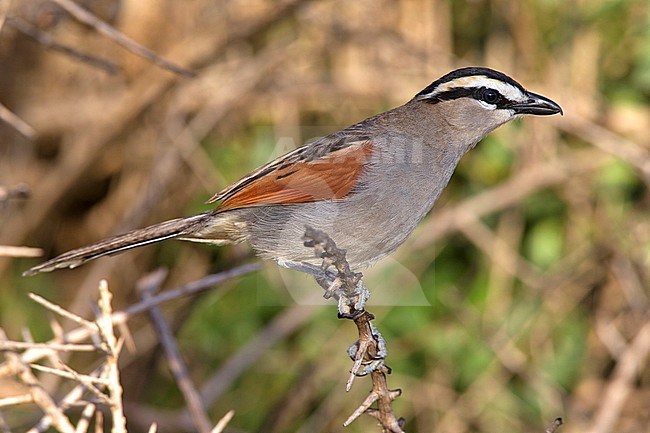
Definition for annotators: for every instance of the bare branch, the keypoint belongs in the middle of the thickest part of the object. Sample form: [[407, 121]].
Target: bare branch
[[111, 32], [38, 350], [629, 364], [68, 400], [19, 399], [68, 373], [63, 312], [11, 251], [16, 122], [112, 348], [40, 396], [223, 422], [84, 421], [49, 346], [147, 287], [99, 422], [48, 41]]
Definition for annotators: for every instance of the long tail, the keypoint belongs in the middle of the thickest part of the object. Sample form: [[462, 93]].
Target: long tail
[[116, 244]]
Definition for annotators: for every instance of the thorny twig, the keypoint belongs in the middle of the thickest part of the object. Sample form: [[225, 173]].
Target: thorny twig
[[369, 351]]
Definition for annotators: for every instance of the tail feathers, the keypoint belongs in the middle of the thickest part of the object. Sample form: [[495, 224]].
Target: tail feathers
[[116, 244]]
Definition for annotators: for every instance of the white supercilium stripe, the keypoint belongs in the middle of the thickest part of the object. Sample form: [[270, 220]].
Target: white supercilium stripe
[[508, 90]]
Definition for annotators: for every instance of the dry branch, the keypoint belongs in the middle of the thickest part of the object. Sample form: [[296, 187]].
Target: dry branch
[[107, 376], [9, 251], [630, 364], [118, 317], [50, 346], [43, 38], [69, 400], [100, 330], [86, 415], [283, 325], [147, 288], [19, 399], [112, 33], [63, 312], [223, 422], [39, 395], [16, 122], [111, 347]]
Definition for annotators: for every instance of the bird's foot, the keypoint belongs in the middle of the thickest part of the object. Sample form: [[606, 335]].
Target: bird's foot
[[372, 362]]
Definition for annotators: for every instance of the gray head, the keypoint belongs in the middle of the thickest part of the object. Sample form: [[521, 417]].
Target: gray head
[[493, 90], [481, 99]]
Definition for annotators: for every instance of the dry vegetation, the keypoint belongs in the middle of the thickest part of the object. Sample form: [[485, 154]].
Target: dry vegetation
[[522, 298]]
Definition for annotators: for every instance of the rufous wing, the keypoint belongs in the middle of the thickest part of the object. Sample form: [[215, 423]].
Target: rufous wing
[[294, 179]]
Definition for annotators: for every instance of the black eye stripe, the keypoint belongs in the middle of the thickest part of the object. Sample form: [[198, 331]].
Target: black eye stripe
[[478, 93]]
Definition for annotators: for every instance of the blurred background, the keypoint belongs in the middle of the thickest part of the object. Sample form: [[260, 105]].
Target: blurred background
[[524, 295]]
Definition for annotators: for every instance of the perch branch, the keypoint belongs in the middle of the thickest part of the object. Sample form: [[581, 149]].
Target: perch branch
[[369, 351]]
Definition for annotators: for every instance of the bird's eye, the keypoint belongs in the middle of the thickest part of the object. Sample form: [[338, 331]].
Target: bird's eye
[[490, 96]]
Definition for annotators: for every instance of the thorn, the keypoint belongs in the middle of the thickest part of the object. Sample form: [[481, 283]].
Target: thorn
[[362, 408]]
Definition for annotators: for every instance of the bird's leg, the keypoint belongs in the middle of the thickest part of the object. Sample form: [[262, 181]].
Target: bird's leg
[[344, 285], [349, 301]]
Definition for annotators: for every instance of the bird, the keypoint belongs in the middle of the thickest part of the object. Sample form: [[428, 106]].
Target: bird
[[367, 186]]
